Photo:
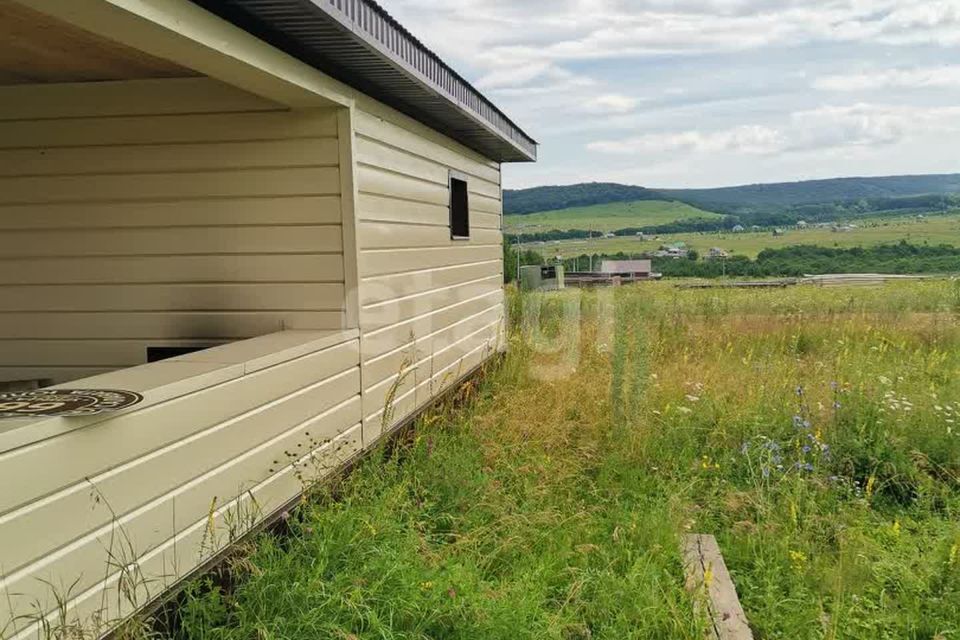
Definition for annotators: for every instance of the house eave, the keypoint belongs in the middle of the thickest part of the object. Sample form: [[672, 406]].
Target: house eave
[[359, 44]]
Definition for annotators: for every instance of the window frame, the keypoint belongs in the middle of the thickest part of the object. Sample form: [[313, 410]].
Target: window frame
[[460, 177]]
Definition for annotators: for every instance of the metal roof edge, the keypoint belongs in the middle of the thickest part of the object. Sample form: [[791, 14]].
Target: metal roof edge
[[378, 56]]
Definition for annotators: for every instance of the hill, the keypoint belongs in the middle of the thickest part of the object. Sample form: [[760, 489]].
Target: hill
[[606, 217], [552, 198], [786, 195], [880, 193]]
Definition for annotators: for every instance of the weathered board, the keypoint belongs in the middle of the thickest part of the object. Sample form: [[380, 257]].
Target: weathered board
[[707, 576]]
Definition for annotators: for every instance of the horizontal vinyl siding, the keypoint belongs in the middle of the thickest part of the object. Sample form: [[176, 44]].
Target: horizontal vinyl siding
[[176, 212], [429, 306], [169, 485]]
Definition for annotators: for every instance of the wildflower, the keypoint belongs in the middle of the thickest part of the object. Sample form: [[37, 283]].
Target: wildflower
[[871, 481], [954, 553], [426, 585], [834, 385], [896, 528], [798, 561]]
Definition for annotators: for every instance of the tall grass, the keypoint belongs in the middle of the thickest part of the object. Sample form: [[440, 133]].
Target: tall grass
[[814, 431]]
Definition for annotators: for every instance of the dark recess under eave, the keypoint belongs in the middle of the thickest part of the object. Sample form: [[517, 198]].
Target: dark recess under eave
[[359, 44]]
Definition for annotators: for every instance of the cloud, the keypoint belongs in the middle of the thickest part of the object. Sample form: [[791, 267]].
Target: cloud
[[823, 128], [752, 139], [610, 103], [914, 78]]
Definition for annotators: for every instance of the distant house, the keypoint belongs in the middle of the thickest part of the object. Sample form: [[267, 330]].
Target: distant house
[[716, 253], [739, 228], [629, 268], [756, 227], [676, 251], [802, 224]]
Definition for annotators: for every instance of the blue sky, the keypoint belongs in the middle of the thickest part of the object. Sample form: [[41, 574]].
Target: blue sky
[[688, 93]]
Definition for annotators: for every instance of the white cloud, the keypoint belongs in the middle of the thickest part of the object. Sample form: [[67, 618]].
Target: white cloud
[[914, 78], [710, 88], [827, 127], [610, 103], [752, 139]]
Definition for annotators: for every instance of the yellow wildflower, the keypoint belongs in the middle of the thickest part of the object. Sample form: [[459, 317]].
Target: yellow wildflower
[[872, 480], [954, 552], [798, 560], [896, 528], [708, 576]]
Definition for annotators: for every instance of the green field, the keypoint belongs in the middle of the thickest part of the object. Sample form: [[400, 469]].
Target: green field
[[815, 432], [605, 217], [870, 231]]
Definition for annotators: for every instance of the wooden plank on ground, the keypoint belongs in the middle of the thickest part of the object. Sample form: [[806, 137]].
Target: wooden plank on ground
[[708, 578]]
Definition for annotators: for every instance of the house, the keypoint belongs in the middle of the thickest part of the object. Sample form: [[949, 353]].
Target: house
[[738, 228], [676, 250], [802, 224], [633, 269], [242, 241], [716, 253]]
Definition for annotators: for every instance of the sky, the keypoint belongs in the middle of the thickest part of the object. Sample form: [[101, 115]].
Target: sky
[[703, 93]]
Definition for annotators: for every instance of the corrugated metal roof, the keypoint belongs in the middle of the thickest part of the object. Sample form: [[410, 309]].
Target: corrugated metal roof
[[358, 43]]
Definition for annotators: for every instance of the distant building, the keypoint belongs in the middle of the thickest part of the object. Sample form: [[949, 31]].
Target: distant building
[[716, 253], [630, 268], [778, 232], [676, 251], [802, 224], [609, 234], [739, 229], [756, 227]]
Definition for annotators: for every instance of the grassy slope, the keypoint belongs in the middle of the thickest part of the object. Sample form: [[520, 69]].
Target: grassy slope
[[870, 231], [550, 506], [606, 217]]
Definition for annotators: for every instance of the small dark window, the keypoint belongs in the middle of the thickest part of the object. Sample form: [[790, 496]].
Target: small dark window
[[459, 209]]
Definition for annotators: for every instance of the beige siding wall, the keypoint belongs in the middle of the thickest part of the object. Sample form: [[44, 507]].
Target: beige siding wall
[[106, 512], [162, 212], [430, 307]]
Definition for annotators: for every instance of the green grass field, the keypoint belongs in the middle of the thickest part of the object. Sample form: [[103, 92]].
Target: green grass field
[[815, 432], [870, 231], [606, 217]]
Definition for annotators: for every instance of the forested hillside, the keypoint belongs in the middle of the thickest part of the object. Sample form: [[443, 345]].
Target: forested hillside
[[787, 195], [553, 198], [779, 203]]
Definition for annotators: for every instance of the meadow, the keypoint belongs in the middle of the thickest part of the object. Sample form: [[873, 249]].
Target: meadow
[[606, 217], [815, 432], [870, 231]]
